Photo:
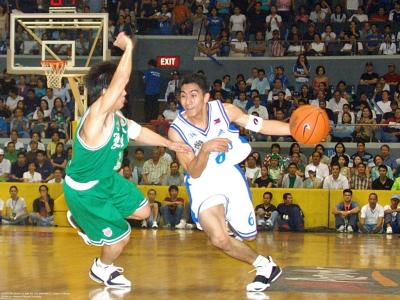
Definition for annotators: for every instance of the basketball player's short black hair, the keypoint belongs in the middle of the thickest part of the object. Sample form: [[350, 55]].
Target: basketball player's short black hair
[[99, 78], [198, 79]]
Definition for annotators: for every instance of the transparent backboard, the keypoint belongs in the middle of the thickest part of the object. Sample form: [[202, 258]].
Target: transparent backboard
[[80, 39]]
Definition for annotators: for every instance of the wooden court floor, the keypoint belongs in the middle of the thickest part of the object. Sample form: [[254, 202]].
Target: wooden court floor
[[53, 263]]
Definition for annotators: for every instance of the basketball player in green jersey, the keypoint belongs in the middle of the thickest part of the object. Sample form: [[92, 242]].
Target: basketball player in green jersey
[[98, 198]]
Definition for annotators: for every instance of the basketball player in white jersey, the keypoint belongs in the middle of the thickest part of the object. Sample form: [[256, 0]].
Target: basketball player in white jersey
[[218, 190]]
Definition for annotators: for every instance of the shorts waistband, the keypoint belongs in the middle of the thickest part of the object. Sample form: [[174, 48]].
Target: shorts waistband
[[80, 186]]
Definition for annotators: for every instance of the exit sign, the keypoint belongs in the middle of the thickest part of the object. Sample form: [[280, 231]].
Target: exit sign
[[168, 61]]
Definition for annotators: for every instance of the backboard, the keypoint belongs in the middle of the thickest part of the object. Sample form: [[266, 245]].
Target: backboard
[[80, 39]]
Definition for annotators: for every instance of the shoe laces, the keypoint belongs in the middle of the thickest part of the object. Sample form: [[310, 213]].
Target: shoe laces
[[112, 268]]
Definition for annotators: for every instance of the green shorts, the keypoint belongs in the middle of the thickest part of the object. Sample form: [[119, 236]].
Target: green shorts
[[101, 210]]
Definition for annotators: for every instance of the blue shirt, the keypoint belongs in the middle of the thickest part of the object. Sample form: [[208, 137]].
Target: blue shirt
[[215, 25], [340, 206], [224, 11], [45, 170], [374, 39], [152, 79]]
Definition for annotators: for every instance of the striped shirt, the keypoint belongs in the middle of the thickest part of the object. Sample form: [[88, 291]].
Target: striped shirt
[[360, 182]]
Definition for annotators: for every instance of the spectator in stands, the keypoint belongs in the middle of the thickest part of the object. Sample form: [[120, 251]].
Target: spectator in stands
[[301, 71], [241, 101], [364, 130], [338, 16], [340, 149], [302, 15], [336, 103], [173, 86], [275, 46], [346, 109], [361, 180], [312, 182], [322, 169], [296, 159], [237, 21], [343, 131], [208, 47], [359, 16], [266, 213], [317, 15], [152, 80], [380, 16], [295, 46], [291, 215], [321, 149], [126, 172], [215, 23], [368, 79], [394, 15], [258, 47], [392, 78], [5, 167], [351, 46], [174, 177], [346, 213], [372, 214], [373, 40], [198, 20], [31, 101], [172, 112], [256, 20], [20, 123], [366, 157], [43, 166], [59, 107], [31, 175], [16, 213], [261, 83], [387, 47], [10, 153], [18, 168], [180, 18], [336, 181], [378, 161], [44, 109], [383, 182], [58, 173], [154, 169], [43, 208], [320, 76], [59, 159], [261, 110], [252, 170], [136, 165], [273, 22], [13, 99], [172, 208], [388, 159], [155, 215], [164, 18], [291, 179], [392, 215], [263, 180], [223, 7], [383, 105], [390, 133], [275, 172], [238, 45]]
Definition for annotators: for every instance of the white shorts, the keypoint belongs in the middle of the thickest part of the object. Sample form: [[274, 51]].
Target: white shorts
[[229, 187]]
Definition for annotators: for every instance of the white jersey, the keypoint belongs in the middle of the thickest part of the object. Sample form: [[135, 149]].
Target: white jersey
[[219, 126]]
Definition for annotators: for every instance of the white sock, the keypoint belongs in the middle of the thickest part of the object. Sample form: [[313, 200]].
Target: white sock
[[260, 261], [101, 264], [263, 266]]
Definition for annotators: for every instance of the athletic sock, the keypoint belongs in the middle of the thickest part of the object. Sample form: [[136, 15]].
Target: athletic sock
[[100, 263], [260, 261]]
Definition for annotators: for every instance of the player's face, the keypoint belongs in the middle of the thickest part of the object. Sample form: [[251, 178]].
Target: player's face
[[193, 99]]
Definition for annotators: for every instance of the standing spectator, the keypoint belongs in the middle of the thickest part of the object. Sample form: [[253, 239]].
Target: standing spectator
[[214, 23], [164, 20], [317, 15], [152, 79], [322, 169], [154, 169], [292, 180], [372, 214], [301, 71], [43, 166], [256, 20], [273, 22], [382, 182], [237, 21], [346, 213], [180, 18], [336, 181], [392, 215], [155, 215], [223, 7], [16, 213], [31, 175], [174, 177], [43, 208], [266, 213], [361, 180], [291, 215], [173, 86], [198, 20], [368, 79], [172, 208], [18, 168], [5, 167]]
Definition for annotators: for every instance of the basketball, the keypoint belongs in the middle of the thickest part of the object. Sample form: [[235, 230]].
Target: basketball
[[309, 124]]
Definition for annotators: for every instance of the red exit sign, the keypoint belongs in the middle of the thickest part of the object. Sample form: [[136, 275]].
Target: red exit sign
[[168, 61], [62, 3]]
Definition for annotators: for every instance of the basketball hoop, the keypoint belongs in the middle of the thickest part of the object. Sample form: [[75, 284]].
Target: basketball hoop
[[54, 70]]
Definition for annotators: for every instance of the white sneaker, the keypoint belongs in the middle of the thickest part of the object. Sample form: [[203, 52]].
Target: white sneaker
[[190, 226], [389, 230], [349, 229], [110, 276], [144, 224], [155, 225], [265, 274], [341, 228], [75, 225], [181, 225]]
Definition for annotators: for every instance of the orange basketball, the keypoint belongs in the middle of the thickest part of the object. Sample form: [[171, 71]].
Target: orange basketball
[[309, 124]]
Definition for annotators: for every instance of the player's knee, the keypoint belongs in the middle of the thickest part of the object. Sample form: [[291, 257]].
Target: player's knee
[[221, 241], [142, 213]]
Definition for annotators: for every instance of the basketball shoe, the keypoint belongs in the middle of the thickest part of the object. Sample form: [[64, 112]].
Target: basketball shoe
[[75, 225], [109, 275], [266, 272]]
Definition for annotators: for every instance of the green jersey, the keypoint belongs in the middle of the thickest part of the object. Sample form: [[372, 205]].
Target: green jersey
[[89, 163]]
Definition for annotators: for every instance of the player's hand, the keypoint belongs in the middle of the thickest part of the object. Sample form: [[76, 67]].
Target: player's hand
[[179, 147], [122, 41], [216, 145]]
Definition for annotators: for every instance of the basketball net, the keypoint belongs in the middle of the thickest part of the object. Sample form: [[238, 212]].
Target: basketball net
[[54, 70]]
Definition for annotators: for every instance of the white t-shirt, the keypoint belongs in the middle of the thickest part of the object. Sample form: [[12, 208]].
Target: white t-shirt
[[238, 22], [251, 172], [314, 16], [317, 47], [335, 106], [328, 36], [384, 107], [340, 183], [349, 46], [261, 110], [170, 115], [371, 216], [28, 177], [17, 206], [388, 49], [352, 4], [274, 21], [18, 145], [394, 214], [5, 166], [295, 49], [322, 170], [54, 181], [361, 18], [40, 147], [12, 103], [238, 46]]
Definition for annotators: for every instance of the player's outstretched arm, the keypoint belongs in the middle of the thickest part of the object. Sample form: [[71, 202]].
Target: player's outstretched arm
[[149, 137], [256, 124]]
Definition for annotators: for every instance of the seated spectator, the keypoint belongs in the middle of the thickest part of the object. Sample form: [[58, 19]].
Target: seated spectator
[[302, 15], [31, 102], [346, 213], [261, 83], [223, 43], [154, 169], [277, 87], [5, 167], [295, 46], [43, 166], [40, 125], [58, 173], [263, 180], [336, 181], [258, 47], [318, 15], [174, 177], [359, 16], [291, 179], [340, 149], [20, 123], [275, 45], [392, 215], [338, 16], [155, 216], [301, 71], [387, 47], [31, 175], [321, 169], [378, 161], [59, 159], [172, 112], [241, 101], [336, 103], [36, 137], [43, 208], [266, 213], [172, 208], [261, 110], [60, 107], [343, 131], [252, 171], [390, 133], [208, 47], [18, 169], [16, 213], [392, 78], [275, 170], [273, 22], [383, 182], [380, 16], [351, 46], [346, 109], [374, 40], [361, 180], [238, 46], [10, 153], [388, 159], [364, 132], [13, 99], [291, 216], [372, 214], [328, 35], [383, 106], [366, 157]]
